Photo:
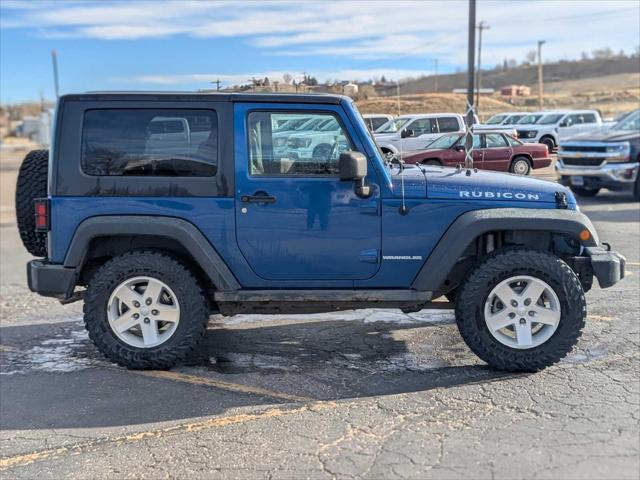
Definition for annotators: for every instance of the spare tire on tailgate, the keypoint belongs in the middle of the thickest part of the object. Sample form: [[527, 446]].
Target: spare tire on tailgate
[[32, 184]]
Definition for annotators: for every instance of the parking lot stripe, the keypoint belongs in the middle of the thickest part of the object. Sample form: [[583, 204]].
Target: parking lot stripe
[[215, 422], [224, 385]]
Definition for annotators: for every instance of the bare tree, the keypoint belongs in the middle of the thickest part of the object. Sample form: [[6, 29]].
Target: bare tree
[[531, 56], [287, 78]]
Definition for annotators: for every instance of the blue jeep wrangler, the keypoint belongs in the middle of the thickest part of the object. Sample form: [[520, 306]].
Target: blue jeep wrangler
[[161, 208]]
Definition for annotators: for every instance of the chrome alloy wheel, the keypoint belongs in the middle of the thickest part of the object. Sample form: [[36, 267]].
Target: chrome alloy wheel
[[522, 312], [143, 312]]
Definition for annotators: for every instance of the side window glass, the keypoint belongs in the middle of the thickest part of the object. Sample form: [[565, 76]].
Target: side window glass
[[477, 141], [589, 118], [378, 122], [495, 140], [150, 142], [448, 124], [420, 126], [313, 148]]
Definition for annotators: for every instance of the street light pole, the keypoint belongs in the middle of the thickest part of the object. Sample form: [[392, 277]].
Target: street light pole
[[481, 26], [471, 48], [540, 92]]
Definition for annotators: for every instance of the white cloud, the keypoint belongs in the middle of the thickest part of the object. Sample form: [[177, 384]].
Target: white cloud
[[352, 29]]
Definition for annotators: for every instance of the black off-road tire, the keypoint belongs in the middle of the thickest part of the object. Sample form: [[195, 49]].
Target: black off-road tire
[[31, 184], [585, 192], [510, 262], [194, 312]]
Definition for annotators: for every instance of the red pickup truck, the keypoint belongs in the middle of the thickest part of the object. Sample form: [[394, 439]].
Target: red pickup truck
[[491, 151]]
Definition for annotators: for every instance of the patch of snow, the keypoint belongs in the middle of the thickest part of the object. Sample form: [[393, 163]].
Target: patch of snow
[[61, 354], [371, 315]]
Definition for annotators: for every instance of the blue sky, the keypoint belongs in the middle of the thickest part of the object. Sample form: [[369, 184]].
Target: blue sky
[[184, 45]]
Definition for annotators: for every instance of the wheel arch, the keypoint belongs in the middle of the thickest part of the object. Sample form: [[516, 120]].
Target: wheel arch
[[100, 238], [457, 250], [432, 159]]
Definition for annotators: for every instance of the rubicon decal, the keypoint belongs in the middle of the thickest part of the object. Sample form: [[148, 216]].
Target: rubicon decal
[[505, 195]]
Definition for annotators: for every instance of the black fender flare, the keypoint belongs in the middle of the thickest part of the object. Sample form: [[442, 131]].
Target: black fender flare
[[468, 226], [176, 229]]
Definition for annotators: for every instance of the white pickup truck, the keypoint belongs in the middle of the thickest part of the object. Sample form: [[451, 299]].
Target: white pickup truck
[[415, 132], [554, 126]]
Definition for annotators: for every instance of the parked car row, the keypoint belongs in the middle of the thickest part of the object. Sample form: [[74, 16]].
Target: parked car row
[[516, 142]]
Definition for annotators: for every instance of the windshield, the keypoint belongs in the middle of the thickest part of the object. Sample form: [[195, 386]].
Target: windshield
[[630, 122], [444, 142], [550, 119], [529, 119], [392, 126], [513, 119], [496, 119]]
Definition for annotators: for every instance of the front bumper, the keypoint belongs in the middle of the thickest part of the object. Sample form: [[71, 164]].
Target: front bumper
[[614, 176], [51, 280], [607, 265]]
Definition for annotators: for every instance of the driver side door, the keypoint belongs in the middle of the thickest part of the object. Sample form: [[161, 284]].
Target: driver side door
[[295, 218]]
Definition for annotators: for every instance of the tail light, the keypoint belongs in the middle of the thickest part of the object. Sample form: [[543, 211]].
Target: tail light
[[42, 219]]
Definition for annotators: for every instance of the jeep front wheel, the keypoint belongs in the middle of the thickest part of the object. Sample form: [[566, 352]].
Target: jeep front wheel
[[144, 310], [521, 310]]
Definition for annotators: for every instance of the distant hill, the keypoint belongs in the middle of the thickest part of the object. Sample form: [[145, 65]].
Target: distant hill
[[522, 75]]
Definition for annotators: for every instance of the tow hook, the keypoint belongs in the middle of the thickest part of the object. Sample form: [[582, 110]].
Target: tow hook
[[561, 200], [75, 297]]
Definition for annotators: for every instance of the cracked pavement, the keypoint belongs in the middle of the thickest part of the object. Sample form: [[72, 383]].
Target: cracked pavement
[[368, 394]]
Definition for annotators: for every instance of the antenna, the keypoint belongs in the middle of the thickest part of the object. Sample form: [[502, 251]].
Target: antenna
[[403, 208]]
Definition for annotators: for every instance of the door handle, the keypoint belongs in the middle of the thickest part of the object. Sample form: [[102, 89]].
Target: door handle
[[258, 199]]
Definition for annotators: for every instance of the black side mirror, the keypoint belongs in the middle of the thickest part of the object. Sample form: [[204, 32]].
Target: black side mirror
[[459, 148], [407, 132], [353, 166]]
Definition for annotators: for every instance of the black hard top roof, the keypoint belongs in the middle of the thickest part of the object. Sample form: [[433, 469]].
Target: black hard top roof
[[322, 98]]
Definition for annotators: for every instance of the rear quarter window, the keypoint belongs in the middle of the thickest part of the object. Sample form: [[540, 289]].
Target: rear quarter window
[[448, 124], [150, 142]]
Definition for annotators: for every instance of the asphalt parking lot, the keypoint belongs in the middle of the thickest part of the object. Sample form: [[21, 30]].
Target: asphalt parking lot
[[371, 394]]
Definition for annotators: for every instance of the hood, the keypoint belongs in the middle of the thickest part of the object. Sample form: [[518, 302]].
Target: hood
[[411, 155], [415, 184], [606, 135], [450, 183]]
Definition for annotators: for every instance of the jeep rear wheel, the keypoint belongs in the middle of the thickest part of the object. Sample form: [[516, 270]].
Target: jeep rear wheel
[[144, 310], [521, 310], [31, 184]]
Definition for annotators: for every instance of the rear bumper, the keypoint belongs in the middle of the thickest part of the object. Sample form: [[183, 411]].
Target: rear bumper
[[607, 265], [541, 162], [50, 280]]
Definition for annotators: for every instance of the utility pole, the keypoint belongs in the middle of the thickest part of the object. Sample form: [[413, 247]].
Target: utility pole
[[54, 58], [540, 92], [481, 26], [471, 49], [217, 83], [435, 75]]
